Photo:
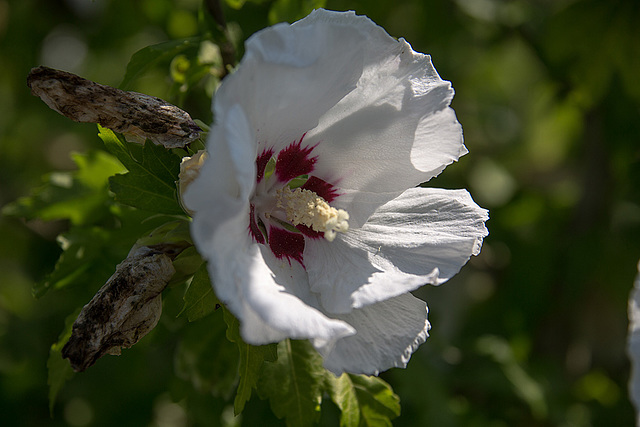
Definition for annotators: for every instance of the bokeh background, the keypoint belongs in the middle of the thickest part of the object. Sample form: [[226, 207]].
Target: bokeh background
[[531, 332]]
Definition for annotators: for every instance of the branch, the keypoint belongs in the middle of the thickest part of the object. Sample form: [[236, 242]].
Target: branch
[[227, 51]]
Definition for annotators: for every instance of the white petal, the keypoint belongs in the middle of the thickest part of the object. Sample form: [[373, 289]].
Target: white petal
[[387, 334], [633, 345], [377, 110], [394, 131], [292, 74], [267, 308], [438, 142], [227, 178], [423, 236]]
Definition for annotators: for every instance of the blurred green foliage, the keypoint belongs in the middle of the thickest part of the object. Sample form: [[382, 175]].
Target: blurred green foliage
[[530, 333]]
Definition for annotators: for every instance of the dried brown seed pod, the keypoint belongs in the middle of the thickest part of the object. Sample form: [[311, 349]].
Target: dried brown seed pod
[[124, 310], [135, 115]]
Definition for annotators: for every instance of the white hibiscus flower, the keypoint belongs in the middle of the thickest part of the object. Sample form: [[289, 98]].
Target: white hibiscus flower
[[307, 208]]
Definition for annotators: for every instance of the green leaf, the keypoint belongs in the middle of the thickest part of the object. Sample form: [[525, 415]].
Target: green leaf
[[179, 68], [205, 357], [80, 247], [150, 183], [343, 394], [235, 4], [363, 400], [251, 360], [90, 253], [294, 383], [80, 196], [292, 10], [171, 232], [148, 57], [199, 300], [59, 369], [186, 264]]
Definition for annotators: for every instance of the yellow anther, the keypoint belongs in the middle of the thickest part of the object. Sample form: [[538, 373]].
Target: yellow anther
[[307, 208]]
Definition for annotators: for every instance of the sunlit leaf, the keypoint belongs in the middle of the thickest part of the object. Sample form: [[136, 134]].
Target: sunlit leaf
[[235, 4], [80, 196], [294, 383], [179, 67], [597, 385], [363, 400], [343, 394]]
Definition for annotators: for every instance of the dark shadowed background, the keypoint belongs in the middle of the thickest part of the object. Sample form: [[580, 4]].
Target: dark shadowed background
[[530, 333]]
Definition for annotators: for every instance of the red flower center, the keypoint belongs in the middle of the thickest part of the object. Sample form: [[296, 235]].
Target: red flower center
[[290, 167]]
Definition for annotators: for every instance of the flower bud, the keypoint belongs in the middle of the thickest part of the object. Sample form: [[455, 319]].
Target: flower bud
[[189, 170]]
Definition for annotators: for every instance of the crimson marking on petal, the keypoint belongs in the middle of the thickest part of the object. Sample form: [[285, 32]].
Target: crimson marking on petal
[[321, 188], [284, 243], [294, 161], [262, 161], [254, 230], [309, 232]]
